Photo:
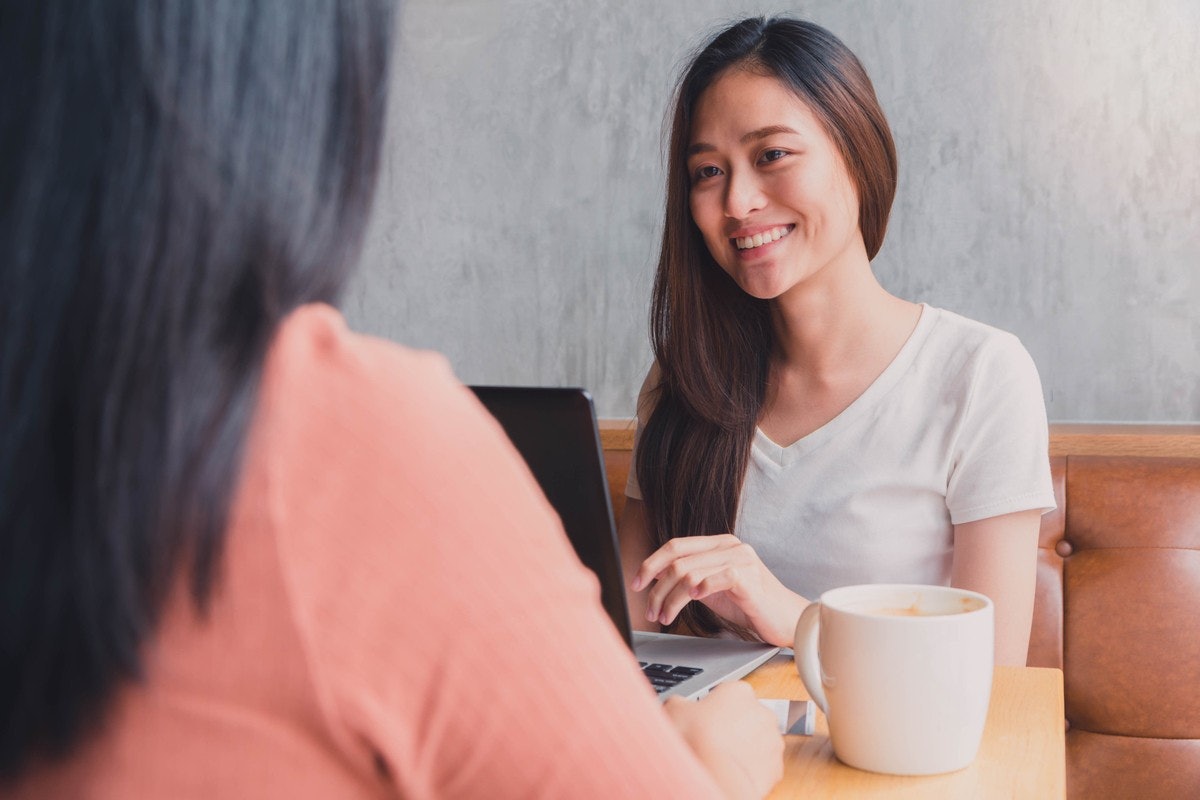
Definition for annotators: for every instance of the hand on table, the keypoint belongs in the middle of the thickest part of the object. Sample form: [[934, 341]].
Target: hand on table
[[734, 736], [726, 575]]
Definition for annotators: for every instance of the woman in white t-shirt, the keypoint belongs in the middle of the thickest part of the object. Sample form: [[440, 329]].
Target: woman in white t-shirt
[[802, 428]]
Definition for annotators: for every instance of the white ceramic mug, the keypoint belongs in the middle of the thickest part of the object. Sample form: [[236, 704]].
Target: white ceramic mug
[[902, 672]]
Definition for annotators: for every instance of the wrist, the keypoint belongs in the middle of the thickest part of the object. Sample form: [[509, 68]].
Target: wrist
[[790, 609]]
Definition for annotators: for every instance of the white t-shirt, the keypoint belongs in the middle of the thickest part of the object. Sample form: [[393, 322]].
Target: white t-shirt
[[954, 430]]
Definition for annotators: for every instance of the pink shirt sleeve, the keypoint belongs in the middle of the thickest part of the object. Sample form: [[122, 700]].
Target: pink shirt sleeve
[[457, 642]]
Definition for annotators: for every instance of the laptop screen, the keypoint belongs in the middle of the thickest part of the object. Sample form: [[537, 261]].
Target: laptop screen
[[555, 431]]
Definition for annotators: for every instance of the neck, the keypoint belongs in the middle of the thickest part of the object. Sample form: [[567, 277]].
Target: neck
[[824, 327]]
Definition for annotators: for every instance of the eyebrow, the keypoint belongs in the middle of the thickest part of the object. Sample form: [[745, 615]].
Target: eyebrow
[[761, 133]]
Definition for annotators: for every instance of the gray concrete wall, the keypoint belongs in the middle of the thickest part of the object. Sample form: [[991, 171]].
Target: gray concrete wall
[[1049, 184]]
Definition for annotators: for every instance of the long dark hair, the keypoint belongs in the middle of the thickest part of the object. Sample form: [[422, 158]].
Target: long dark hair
[[712, 341], [176, 177]]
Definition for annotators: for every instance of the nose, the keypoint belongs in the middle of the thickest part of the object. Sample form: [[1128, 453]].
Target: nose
[[743, 194]]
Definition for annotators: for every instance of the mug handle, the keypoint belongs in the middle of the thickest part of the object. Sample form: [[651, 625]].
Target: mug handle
[[808, 662]]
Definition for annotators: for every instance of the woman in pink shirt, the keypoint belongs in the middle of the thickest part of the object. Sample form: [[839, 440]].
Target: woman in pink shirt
[[243, 550]]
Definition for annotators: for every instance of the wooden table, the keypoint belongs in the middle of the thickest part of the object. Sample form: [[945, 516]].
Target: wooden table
[[1022, 754]]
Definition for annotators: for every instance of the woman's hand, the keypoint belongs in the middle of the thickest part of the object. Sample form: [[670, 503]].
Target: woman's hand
[[734, 736], [725, 574]]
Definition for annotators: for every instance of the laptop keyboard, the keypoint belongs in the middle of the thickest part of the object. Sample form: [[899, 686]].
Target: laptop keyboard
[[663, 676]]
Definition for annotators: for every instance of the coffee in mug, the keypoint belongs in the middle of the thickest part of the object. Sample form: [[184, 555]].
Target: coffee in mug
[[902, 672]]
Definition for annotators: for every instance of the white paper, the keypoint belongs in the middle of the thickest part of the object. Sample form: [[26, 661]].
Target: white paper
[[794, 716]]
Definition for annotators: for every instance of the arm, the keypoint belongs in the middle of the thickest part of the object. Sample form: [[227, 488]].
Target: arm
[[998, 557], [726, 732], [633, 529], [634, 536], [999, 489]]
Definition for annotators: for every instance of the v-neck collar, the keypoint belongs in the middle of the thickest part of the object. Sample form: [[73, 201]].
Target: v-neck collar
[[861, 405]]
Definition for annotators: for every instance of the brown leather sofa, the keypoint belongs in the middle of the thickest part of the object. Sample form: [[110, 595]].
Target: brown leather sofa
[[1118, 611], [1118, 603]]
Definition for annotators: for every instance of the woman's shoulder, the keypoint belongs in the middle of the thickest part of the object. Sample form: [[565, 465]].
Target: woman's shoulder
[[963, 357], [320, 372], [314, 344], [648, 394], [370, 446], [952, 325], [956, 339], [374, 413], [980, 366], [386, 418]]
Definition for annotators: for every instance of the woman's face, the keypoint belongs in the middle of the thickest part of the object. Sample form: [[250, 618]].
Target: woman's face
[[769, 190]]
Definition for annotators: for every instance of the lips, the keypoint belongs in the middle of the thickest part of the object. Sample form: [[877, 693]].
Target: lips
[[762, 238]]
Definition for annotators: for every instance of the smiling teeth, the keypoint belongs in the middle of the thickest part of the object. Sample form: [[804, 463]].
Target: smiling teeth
[[759, 239]]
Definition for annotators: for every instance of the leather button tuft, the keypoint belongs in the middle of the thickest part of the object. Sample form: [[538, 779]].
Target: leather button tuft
[[1063, 548]]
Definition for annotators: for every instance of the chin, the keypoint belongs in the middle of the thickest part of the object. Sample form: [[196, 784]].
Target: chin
[[760, 292]]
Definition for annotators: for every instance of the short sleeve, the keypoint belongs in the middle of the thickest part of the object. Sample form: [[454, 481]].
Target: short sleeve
[[1001, 461]]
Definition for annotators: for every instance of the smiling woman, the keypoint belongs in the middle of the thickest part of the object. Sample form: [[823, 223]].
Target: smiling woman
[[802, 428]]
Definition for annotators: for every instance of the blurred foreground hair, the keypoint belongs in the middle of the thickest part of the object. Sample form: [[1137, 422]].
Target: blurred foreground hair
[[176, 176]]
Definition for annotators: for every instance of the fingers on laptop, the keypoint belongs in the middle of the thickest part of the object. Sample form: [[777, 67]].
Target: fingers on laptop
[[697, 568]]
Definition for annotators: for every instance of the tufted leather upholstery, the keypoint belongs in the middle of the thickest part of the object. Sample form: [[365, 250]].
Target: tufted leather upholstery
[[1118, 610]]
